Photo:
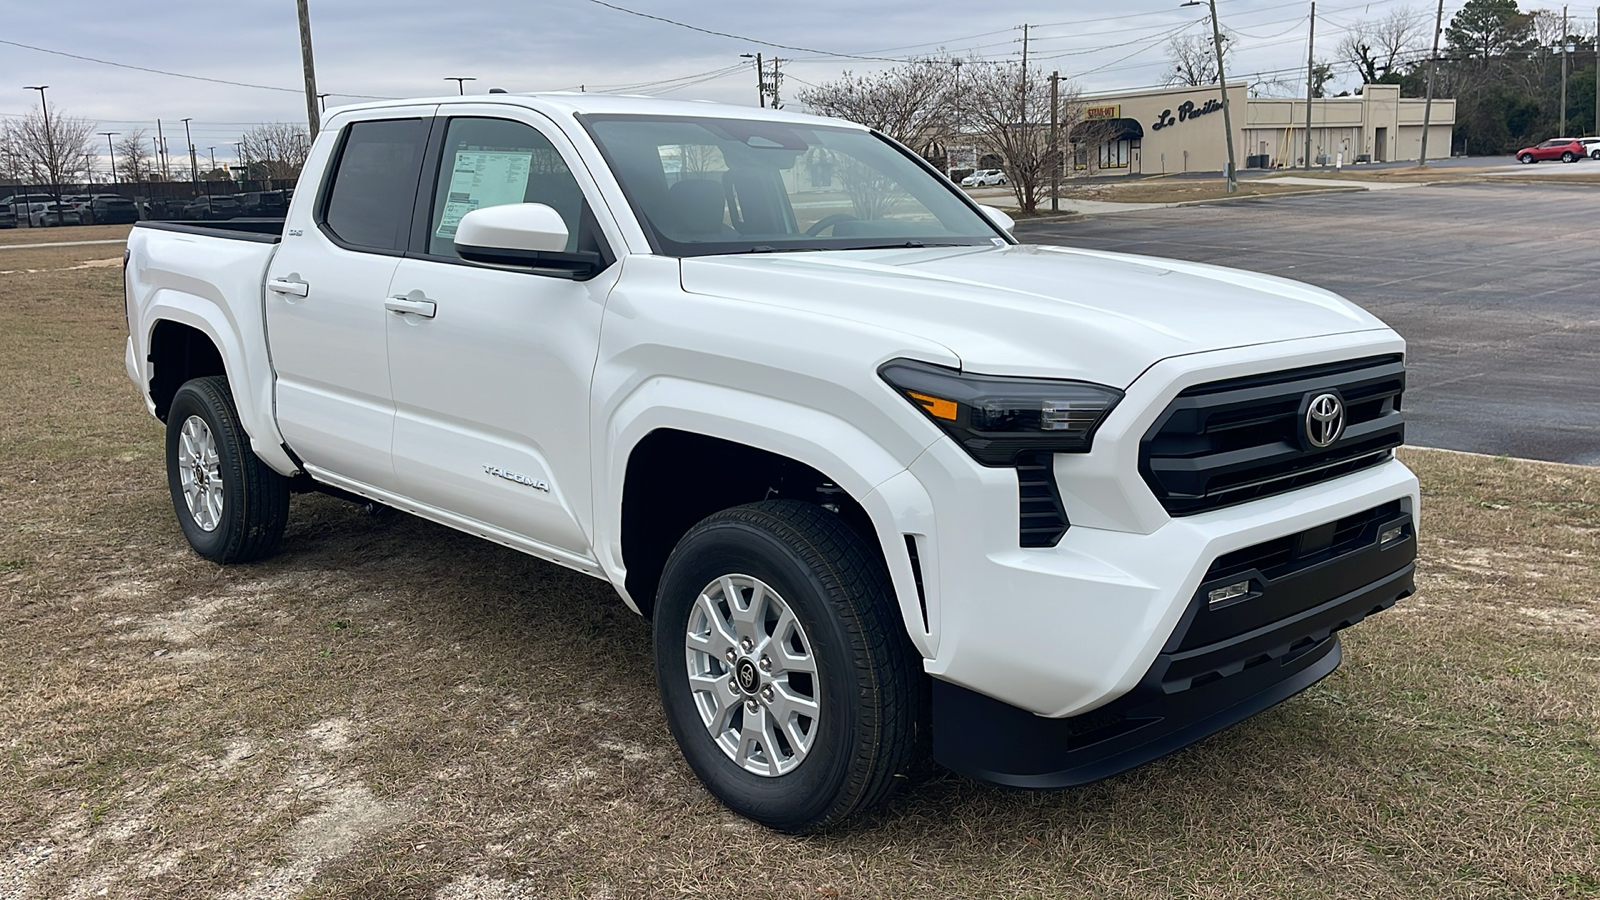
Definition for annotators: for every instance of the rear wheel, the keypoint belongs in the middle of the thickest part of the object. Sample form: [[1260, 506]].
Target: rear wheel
[[783, 666], [1569, 157], [231, 506]]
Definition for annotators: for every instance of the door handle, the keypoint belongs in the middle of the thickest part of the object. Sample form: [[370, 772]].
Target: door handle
[[406, 306], [292, 288]]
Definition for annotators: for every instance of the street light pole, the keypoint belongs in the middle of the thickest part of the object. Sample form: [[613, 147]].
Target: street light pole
[[108, 135], [194, 167], [761, 78], [49, 141], [461, 88]]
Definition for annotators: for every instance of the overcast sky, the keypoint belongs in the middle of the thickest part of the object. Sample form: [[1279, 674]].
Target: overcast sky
[[405, 48]]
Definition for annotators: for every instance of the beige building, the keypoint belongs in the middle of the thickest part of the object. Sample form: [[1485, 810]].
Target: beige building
[[1180, 129]]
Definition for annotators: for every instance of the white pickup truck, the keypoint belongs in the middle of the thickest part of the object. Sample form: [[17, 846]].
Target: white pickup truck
[[887, 482]]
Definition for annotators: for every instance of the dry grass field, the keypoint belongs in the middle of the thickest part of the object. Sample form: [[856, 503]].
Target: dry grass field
[[391, 709]]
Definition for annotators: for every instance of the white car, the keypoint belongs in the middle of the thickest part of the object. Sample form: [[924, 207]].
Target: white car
[[882, 477], [1591, 144], [984, 178], [52, 214]]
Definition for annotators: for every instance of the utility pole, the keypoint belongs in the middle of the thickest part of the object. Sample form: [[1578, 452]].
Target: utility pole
[[309, 67], [777, 77], [108, 135], [1311, 77], [1433, 66], [1227, 116], [213, 152], [1055, 142], [194, 168], [238, 158], [1564, 60], [761, 77], [1024, 118], [461, 83]]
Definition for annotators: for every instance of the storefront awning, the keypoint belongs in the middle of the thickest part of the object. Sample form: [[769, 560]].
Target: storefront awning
[[1104, 131]]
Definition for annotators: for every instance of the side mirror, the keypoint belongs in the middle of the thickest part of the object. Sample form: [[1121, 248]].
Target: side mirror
[[526, 235], [998, 217]]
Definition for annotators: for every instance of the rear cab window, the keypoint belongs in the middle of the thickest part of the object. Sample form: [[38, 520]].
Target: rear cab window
[[373, 184]]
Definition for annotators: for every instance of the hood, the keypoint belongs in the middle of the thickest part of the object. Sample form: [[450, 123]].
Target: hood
[[1038, 311]]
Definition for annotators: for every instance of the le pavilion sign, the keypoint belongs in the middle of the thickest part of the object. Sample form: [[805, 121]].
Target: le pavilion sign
[[1187, 110]]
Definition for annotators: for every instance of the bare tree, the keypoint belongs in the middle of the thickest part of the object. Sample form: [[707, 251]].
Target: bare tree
[[56, 150], [275, 150], [1012, 114], [1376, 48], [910, 102], [1192, 58], [133, 156]]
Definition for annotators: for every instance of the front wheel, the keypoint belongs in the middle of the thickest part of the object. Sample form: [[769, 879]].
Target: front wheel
[[1526, 159], [230, 505], [783, 665]]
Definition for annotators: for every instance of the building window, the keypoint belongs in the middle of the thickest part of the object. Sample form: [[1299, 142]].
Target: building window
[[1115, 154]]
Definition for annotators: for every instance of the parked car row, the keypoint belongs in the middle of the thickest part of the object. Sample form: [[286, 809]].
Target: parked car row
[[43, 210]]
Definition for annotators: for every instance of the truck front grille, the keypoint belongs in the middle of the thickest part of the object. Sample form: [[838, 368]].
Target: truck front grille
[[1229, 442]]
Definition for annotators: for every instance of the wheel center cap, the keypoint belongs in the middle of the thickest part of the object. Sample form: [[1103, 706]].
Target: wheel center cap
[[744, 671]]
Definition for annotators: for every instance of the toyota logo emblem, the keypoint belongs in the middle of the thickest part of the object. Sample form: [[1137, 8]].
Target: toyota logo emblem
[[1324, 420], [745, 672]]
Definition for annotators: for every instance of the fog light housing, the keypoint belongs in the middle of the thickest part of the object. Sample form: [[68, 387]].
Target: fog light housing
[[1390, 535], [1229, 595]]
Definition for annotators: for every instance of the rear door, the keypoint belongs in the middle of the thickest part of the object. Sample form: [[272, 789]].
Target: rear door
[[325, 292], [491, 377]]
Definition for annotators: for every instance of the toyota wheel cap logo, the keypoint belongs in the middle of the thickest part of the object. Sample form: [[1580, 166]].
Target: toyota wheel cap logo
[[1324, 420]]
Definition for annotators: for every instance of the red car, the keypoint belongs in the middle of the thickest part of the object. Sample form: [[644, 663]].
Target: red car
[[1564, 149]]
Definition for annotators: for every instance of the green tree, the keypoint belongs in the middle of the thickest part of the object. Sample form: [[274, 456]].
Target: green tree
[[1489, 29]]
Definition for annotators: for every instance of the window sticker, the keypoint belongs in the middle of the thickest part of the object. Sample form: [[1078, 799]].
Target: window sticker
[[481, 178]]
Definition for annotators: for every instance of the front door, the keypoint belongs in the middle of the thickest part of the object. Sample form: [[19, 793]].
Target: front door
[[325, 291], [491, 366]]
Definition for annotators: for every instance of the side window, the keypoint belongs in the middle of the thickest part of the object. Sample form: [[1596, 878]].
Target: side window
[[375, 183], [489, 162]]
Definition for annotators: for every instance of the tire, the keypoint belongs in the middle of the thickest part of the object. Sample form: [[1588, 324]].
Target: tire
[[1595, 155], [1526, 159], [786, 561], [240, 506], [1569, 157]]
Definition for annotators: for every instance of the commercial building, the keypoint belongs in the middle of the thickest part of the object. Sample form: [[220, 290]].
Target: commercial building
[[1180, 129]]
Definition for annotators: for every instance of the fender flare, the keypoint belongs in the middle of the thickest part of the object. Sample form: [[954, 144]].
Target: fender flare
[[250, 380], [827, 443]]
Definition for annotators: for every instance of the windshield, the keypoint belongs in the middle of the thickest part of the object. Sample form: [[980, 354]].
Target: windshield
[[707, 186]]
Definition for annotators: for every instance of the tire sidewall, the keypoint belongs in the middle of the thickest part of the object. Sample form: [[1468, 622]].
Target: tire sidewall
[[194, 400], [805, 794], [1526, 159], [1569, 157]]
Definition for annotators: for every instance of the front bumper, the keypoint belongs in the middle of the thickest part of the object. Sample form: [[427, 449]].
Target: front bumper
[[1209, 675]]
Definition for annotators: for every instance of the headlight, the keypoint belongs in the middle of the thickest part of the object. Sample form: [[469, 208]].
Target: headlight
[[995, 418]]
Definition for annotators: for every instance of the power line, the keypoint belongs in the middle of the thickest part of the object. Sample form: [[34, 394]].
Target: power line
[[739, 37], [107, 62]]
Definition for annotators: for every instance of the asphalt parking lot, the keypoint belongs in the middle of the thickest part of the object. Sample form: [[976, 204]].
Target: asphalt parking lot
[[1496, 288]]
